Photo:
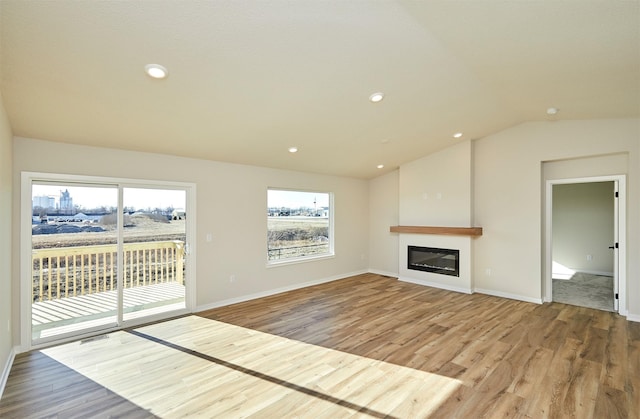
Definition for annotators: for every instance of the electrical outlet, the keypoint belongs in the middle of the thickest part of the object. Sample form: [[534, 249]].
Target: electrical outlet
[[589, 257], [8, 326], [232, 278], [487, 272]]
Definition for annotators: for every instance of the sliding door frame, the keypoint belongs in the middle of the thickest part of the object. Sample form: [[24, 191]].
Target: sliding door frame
[[27, 180]]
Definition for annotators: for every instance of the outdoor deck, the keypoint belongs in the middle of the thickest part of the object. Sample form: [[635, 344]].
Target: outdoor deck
[[63, 315]]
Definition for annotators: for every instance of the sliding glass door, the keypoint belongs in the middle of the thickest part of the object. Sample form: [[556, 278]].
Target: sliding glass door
[[74, 261], [102, 255], [154, 251]]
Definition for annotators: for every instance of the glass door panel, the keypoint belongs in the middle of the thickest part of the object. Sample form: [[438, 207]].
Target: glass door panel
[[74, 267], [154, 251]]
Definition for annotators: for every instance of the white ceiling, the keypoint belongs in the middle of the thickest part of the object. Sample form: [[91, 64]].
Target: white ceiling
[[250, 78]]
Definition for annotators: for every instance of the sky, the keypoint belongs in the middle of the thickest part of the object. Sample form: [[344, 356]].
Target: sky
[[296, 199], [89, 197], [96, 197]]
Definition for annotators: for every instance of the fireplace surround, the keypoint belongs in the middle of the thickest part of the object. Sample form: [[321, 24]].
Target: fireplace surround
[[459, 283]]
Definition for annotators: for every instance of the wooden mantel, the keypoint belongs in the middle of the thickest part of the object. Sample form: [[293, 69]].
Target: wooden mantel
[[456, 231]]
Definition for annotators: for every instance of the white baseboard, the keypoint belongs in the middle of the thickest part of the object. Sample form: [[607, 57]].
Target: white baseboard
[[509, 296], [275, 291], [633, 317], [383, 273], [6, 370], [436, 285]]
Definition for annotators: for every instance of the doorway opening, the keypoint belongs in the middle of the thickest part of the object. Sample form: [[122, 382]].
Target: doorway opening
[[585, 240]]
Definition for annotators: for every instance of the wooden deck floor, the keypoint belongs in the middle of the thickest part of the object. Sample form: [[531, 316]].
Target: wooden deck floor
[[50, 318], [367, 346]]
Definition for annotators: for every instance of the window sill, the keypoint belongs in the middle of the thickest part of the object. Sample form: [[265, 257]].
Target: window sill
[[294, 261]]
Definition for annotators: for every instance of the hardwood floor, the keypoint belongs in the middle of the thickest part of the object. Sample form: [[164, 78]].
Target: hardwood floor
[[365, 346]]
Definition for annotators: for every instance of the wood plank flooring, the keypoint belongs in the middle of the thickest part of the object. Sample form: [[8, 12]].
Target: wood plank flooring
[[365, 346]]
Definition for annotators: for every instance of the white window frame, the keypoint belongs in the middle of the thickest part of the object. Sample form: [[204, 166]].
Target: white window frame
[[294, 260]]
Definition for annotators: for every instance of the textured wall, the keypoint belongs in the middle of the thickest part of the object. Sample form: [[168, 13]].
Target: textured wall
[[6, 339]]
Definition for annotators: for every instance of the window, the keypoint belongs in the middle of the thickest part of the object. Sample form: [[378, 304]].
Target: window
[[299, 225]]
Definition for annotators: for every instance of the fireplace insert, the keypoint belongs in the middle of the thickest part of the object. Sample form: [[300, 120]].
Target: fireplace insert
[[431, 259]]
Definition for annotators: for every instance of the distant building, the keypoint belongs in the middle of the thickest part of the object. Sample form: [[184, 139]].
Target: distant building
[[43, 201], [66, 202], [179, 214]]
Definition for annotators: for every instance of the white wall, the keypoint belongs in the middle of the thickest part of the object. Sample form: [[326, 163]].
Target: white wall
[[383, 213], [583, 226], [6, 339], [509, 198], [589, 166], [231, 205], [436, 190]]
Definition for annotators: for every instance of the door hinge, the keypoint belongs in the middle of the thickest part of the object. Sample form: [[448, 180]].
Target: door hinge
[[617, 195], [617, 297]]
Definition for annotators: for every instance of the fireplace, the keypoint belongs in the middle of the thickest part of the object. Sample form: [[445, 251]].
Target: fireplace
[[436, 260]]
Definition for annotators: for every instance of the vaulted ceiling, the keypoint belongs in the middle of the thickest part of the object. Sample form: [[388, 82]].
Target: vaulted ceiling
[[248, 79]]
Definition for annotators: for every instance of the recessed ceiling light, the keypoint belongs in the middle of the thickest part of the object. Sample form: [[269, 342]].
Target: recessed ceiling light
[[380, 166], [376, 97], [293, 149], [457, 135], [156, 71], [552, 111]]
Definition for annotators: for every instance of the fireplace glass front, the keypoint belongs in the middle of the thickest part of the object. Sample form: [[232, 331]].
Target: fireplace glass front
[[431, 259]]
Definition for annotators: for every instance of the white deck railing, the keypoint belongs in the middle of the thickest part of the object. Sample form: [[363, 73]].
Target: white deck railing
[[72, 271]]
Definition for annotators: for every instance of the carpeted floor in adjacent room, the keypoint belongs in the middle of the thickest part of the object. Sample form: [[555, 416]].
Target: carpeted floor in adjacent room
[[585, 290]]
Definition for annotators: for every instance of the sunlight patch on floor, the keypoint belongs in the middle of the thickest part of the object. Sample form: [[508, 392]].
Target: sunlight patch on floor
[[198, 366], [559, 271]]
